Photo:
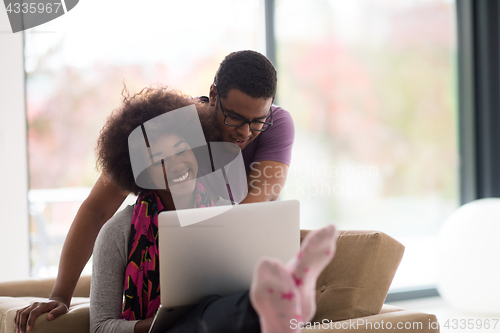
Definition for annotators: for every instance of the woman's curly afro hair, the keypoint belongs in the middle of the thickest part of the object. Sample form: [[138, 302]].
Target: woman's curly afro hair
[[112, 149]]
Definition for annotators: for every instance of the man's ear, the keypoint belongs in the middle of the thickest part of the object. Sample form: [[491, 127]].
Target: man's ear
[[212, 95]]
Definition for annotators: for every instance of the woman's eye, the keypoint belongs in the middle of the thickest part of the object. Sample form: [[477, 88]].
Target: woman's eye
[[182, 152]]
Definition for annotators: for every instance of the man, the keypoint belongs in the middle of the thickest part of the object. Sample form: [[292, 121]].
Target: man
[[241, 98]]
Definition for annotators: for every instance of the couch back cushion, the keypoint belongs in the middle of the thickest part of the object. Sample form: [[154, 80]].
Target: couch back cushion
[[41, 287], [356, 282]]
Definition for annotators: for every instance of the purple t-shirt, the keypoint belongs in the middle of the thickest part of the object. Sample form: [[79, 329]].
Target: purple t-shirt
[[275, 144]]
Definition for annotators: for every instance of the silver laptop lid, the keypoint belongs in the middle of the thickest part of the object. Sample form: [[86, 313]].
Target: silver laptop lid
[[218, 254]]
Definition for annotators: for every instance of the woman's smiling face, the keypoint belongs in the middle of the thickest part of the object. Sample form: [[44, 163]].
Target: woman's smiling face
[[176, 167]]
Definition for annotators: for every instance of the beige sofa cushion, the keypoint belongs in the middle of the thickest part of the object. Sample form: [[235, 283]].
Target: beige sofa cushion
[[41, 287], [357, 280]]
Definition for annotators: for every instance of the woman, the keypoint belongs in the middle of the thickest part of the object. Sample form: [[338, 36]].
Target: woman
[[125, 282]]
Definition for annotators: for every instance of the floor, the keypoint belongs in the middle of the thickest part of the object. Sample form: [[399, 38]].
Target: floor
[[452, 321]]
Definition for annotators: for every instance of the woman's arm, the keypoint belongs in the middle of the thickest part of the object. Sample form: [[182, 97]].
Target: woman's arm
[[108, 276], [143, 326], [101, 204]]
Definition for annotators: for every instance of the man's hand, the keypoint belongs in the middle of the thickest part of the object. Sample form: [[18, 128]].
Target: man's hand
[[265, 181], [25, 318]]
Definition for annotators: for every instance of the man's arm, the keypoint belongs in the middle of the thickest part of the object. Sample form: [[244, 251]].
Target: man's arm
[[265, 181], [101, 204]]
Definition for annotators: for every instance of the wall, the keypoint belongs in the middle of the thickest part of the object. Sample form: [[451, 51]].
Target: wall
[[14, 227]]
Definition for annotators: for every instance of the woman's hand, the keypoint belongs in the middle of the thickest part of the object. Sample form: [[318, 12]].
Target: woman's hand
[[142, 326], [25, 318]]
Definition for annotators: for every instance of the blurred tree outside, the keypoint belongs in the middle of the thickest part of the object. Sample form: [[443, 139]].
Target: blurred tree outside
[[371, 85], [384, 98]]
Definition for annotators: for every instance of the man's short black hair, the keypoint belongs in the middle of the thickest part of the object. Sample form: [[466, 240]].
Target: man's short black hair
[[248, 71]]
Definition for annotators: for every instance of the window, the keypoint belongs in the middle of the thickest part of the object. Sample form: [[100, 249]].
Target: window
[[371, 86]]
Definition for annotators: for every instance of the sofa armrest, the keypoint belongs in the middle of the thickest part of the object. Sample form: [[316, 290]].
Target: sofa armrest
[[393, 321], [75, 321], [356, 282], [41, 287], [390, 308]]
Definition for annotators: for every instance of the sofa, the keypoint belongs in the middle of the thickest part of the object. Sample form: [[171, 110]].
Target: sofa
[[350, 293]]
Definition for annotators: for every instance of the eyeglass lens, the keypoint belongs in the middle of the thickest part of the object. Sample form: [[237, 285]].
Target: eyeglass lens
[[236, 122]]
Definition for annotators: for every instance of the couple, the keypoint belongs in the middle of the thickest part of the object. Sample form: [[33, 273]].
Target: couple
[[240, 101]]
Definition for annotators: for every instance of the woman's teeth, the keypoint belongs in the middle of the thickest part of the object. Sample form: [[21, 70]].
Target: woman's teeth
[[181, 178]]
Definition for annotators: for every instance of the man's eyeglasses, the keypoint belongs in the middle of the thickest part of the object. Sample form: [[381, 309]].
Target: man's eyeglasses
[[255, 125]]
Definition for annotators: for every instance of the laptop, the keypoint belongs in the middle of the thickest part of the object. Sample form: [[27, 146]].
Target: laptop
[[217, 254]]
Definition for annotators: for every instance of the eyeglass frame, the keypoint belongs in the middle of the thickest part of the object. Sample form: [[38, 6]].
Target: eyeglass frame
[[244, 121]]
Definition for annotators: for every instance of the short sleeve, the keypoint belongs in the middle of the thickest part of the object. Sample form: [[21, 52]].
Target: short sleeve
[[276, 143]]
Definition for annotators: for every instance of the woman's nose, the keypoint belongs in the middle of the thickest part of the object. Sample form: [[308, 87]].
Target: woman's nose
[[173, 165]]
